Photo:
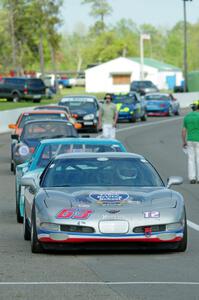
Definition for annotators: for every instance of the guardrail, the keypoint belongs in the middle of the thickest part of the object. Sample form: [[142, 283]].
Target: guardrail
[[10, 116]]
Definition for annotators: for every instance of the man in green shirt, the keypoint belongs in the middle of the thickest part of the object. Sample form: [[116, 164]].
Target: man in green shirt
[[108, 116], [190, 140]]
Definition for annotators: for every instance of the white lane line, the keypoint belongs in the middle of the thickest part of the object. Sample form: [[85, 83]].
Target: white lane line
[[193, 225], [103, 283], [148, 124]]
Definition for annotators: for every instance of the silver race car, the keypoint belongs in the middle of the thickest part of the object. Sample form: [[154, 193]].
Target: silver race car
[[103, 200]]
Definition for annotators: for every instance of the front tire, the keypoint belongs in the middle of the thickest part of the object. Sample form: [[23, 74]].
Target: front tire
[[144, 117], [26, 228], [182, 245], [36, 246], [15, 97], [19, 217]]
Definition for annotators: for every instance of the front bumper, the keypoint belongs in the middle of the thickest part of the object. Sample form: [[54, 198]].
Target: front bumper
[[79, 238]]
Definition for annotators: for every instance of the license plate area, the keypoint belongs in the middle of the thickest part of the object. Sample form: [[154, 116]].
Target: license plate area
[[114, 227]]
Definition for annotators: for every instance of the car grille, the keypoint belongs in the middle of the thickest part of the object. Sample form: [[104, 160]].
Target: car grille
[[154, 228], [77, 228]]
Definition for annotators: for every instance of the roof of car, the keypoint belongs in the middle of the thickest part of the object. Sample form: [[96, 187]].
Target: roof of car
[[158, 94], [99, 155], [78, 96], [32, 112], [47, 121], [87, 141]]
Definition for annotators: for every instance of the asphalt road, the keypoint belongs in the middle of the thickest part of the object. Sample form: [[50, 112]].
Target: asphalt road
[[123, 275]]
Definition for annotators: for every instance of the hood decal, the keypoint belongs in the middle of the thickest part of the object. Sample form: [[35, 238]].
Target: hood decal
[[116, 198]]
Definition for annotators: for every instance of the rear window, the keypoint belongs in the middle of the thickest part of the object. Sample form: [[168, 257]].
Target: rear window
[[30, 117], [142, 84], [35, 82], [40, 130], [158, 97]]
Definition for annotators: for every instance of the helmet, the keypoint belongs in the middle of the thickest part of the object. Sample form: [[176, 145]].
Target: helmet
[[195, 105]]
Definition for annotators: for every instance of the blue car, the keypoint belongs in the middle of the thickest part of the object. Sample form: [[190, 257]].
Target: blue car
[[130, 107], [48, 149], [159, 104]]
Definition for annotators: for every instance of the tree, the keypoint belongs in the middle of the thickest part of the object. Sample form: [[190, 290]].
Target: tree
[[99, 9]]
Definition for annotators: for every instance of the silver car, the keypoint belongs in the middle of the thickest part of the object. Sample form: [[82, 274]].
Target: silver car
[[103, 200]]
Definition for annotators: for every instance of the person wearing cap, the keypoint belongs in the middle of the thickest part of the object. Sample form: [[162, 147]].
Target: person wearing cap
[[108, 116], [190, 140]]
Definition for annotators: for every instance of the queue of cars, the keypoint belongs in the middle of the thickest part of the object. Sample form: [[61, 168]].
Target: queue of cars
[[77, 192]]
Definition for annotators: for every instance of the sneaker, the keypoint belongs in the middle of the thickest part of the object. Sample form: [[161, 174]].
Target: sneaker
[[193, 181]]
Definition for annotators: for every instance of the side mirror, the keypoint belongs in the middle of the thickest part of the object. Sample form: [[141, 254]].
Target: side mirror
[[174, 180], [12, 126], [29, 182], [15, 137]]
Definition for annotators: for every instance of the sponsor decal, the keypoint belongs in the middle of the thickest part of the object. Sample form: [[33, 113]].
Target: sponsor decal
[[151, 214], [77, 214], [113, 211], [116, 198]]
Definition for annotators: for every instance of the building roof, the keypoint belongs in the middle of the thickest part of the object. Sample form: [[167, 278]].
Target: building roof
[[161, 66]]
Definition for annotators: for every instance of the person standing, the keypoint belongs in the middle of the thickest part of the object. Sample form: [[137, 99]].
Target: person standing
[[190, 140], [108, 116]]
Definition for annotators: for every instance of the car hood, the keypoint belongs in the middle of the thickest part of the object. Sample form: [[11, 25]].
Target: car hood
[[81, 112], [122, 106], [138, 198]]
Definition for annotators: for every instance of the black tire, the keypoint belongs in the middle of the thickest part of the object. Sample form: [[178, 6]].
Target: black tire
[[36, 100], [36, 246], [19, 217], [144, 117], [26, 228], [11, 167], [177, 113], [15, 97], [182, 245]]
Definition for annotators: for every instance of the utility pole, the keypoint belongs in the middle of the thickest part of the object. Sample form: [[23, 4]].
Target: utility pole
[[185, 47], [143, 36]]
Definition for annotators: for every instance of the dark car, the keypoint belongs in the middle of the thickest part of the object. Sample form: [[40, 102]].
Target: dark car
[[35, 131], [20, 88], [143, 87], [85, 109]]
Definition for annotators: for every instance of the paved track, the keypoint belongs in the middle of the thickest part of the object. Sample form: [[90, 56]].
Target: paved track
[[139, 276]]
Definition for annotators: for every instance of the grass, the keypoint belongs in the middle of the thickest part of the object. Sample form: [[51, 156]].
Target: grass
[[4, 105]]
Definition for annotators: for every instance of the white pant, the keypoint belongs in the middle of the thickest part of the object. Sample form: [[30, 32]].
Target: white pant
[[193, 160], [108, 131]]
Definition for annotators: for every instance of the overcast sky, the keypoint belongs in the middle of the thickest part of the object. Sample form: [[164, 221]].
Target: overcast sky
[[164, 13]]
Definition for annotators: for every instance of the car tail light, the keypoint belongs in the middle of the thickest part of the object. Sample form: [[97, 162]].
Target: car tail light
[[75, 116], [31, 149], [25, 90]]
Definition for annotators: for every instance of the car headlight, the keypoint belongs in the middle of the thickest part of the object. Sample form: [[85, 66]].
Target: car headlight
[[50, 226], [23, 150], [89, 117], [174, 226]]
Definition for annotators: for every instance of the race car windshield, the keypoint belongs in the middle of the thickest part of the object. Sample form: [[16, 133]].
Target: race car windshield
[[102, 171], [35, 116], [158, 98], [125, 100], [41, 130], [88, 105], [50, 151]]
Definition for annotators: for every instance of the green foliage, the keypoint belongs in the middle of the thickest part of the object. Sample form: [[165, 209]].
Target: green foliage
[[99, 10]]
